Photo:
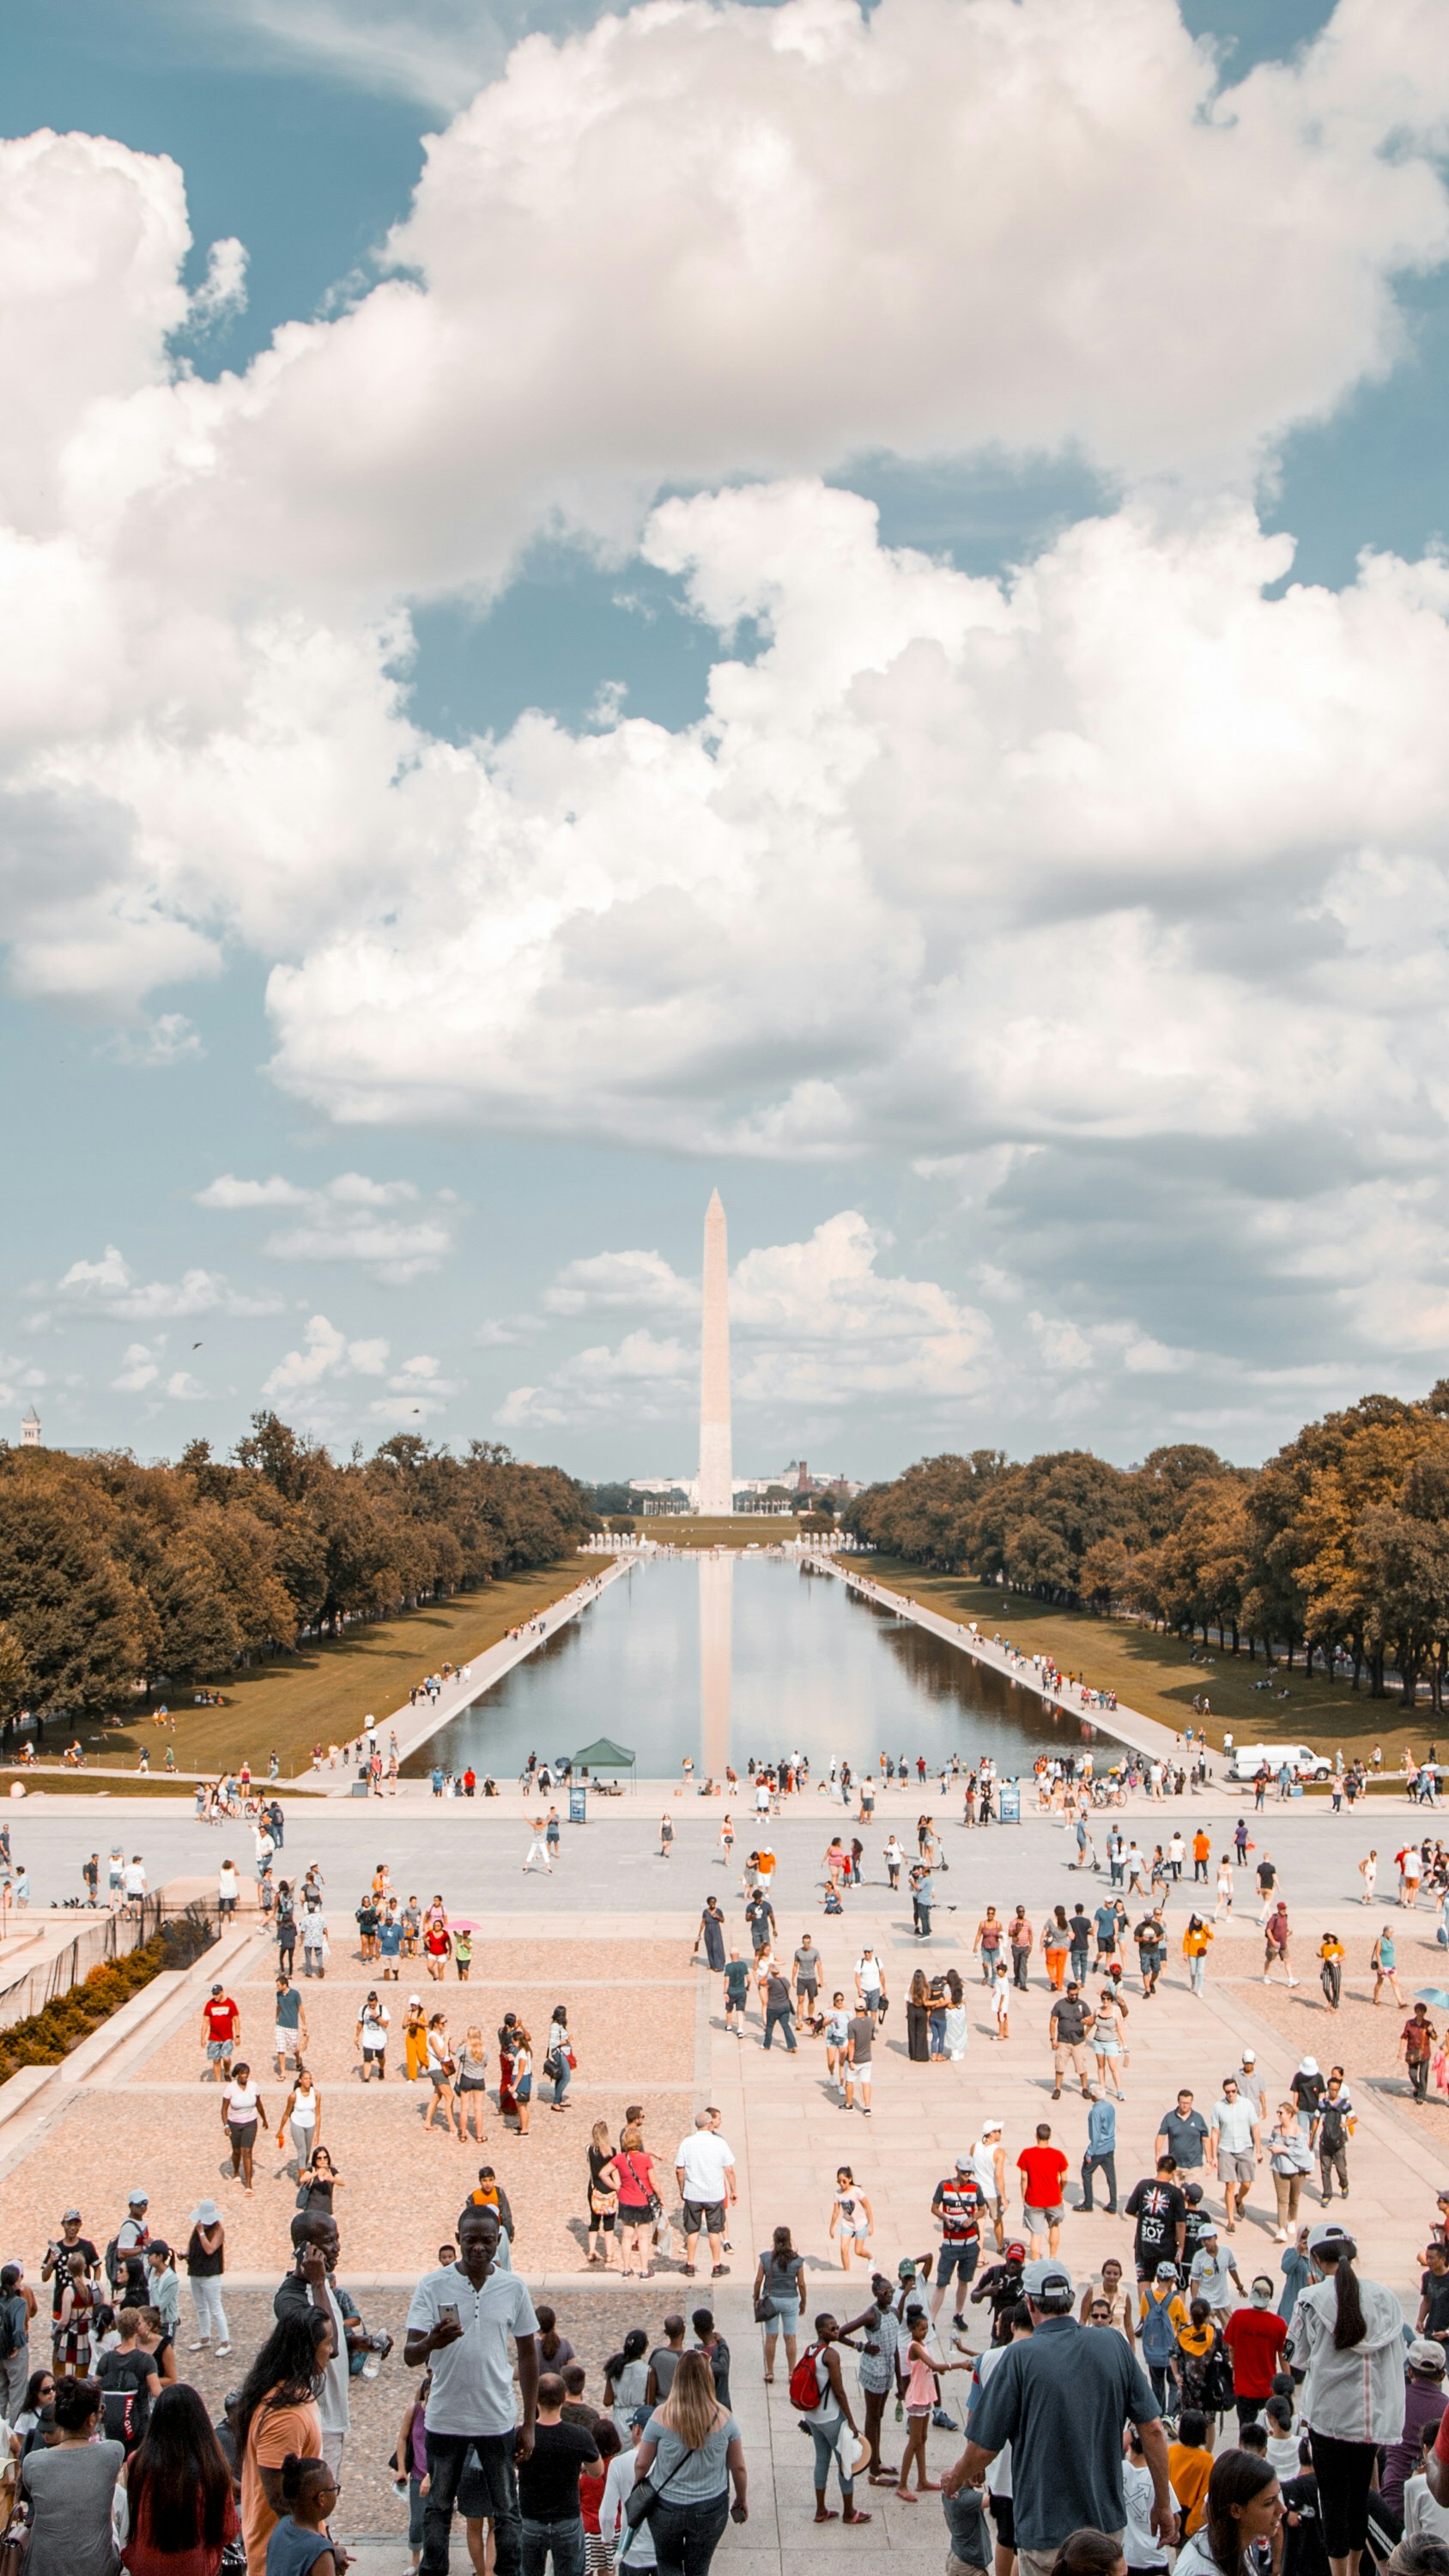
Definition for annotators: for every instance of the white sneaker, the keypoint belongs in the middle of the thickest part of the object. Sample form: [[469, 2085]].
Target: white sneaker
[[203, 2346]]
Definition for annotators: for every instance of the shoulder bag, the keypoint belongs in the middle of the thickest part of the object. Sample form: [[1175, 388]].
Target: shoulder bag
[[641, 2500]]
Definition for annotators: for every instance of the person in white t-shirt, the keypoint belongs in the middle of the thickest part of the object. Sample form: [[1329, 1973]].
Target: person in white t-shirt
[[704, 2168]]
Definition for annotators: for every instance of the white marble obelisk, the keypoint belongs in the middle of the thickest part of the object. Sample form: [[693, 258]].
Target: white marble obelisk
[[716, 1477]]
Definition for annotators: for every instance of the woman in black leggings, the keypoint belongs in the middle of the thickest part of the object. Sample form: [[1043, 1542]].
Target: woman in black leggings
[[1347, 2336]]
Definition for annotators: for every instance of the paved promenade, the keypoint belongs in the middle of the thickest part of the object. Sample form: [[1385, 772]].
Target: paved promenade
[[649, 2028]]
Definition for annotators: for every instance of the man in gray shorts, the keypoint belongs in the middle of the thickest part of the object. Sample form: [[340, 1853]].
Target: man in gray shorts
[[289, 2024], [859, 2050], [1235, 2147], [704, 2168]]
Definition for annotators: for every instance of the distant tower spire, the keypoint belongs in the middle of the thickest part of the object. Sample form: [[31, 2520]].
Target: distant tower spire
[[30, 1429], [716, 1480]]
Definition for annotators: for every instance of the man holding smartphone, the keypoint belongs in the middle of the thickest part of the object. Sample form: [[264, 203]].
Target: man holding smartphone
[[459, 2325]]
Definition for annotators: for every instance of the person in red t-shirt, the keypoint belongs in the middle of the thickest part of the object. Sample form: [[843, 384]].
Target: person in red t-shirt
[[1255, 2337], [221, 2029], [1043, 2170]]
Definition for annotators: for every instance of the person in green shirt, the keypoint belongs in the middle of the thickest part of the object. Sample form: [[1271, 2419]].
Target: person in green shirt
[[737, 1993]]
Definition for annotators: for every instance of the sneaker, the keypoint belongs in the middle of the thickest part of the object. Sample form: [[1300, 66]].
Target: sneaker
[[203, 2346], [719, 2271], [222, 2350]]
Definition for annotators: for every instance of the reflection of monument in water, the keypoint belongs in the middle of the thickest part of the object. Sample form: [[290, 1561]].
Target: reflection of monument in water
[[716, 1608], [716, 1475]]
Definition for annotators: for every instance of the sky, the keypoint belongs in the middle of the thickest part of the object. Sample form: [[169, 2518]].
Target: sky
[[848, 606]]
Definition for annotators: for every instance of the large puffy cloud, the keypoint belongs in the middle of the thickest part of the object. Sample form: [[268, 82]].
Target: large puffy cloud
[[815, 1324], [951, 862], [350, 1219], [695, 239]]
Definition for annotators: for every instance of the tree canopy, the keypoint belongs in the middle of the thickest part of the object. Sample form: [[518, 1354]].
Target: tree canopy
[[114, 1574], [1337, 1547]]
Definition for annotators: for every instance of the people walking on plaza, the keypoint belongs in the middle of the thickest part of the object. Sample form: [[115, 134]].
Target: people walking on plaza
[[1384, 1961], [205, 2264], [1333, 2126], [712, 1933], [1197, 1933], [470, 2083], [460, 2324], [851, 2219], [276, 2414], [779, 2010], [1416, 2046], [704, 2168], [1060, 2397], [778, 2290], [988, 2162], [221, 2031], [1109, 2039], [880, 2331], [371, 2037], [441, 2070], [1068, 2025], [1347, 2337], [956, 2206], [829, 2420], [860, 2033], [301, 2118], [1330, 1973], [1368, 1870], [289, 2022], [922, 2396], [415, 2041], [632, 2175], [1290, 2158], [242, 2110], [1100, 2153], [179, 2505], [69, 2482], [1235, 2147], [692, 2453], [603, 2198], [1275, 1943], [1043, 2169]]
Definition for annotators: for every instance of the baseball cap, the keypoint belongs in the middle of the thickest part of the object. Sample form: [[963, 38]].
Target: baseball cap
[[1167, 2272], [1016, 2251], [68, 2215], [1327, 2232], [1425, 2354], [963, 2164], [1250, 2057], [987, 2126], [138, 2200], [1047, 2278]]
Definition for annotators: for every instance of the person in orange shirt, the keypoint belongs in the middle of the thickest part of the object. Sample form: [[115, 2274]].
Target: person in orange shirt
[[276, 2412], [1189, 2466], [1201, 1854]]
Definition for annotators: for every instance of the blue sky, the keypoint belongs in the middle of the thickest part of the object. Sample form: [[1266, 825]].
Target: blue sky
[[455, 815]]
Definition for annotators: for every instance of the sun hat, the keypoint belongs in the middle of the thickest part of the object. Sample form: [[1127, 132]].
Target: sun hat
[[205, 2214]]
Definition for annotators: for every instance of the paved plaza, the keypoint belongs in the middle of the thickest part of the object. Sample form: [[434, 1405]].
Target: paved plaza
[[610, 1935]]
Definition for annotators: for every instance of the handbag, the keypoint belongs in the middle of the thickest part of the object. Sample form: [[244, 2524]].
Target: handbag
[[642, 2498]]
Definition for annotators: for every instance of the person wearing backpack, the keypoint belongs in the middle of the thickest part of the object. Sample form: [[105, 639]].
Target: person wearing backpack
[[817, 2392], [1161, 2318], [128, 2380]]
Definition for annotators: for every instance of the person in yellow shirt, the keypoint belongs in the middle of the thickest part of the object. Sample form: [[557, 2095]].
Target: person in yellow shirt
[[1189, 2466], [1330, 1973], [1195, 1941]]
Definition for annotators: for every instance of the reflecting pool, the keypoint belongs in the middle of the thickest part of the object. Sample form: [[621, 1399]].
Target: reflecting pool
[[728, 1655]]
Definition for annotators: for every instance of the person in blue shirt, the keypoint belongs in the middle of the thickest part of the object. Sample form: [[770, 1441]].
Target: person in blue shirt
[[1101, 2154], [1104, 1924]]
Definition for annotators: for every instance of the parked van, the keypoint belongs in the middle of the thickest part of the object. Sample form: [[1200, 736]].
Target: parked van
[[1249, 1759]]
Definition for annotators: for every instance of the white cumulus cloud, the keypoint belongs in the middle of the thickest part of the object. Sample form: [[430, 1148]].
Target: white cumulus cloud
[[109, 1287]]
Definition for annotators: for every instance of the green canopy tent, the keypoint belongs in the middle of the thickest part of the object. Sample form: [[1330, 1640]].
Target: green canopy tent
[[604, 1755]]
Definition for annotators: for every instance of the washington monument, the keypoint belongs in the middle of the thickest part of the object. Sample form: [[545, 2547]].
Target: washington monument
[[716, 1476]]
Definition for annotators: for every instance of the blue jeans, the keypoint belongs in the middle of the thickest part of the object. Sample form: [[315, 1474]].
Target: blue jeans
[[448, 2455], [564, 2541], [561, 2082], [686, 2536], [827, 2440], [779, 2021]]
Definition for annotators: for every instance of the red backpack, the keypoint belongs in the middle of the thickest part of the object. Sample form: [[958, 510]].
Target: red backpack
[[804, 2386]]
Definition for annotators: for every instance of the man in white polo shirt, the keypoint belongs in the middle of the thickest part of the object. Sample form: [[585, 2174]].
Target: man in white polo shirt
[[704, 2168], [458, 2325]]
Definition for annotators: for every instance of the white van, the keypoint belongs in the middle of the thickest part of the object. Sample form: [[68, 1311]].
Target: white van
[[1249, 1759]]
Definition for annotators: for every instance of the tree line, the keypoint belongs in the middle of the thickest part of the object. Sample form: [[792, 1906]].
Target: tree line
[[1336, 1550], [114, 1574]]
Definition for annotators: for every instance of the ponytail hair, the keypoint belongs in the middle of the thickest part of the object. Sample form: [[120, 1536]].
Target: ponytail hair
[[1350, 2324], [299, 2473]]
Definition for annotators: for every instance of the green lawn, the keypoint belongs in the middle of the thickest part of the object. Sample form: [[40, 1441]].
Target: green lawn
[[1154, 1673], [323, 1694], [742, 1529]]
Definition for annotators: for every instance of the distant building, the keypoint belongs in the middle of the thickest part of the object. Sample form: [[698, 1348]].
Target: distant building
[[30, 1429]]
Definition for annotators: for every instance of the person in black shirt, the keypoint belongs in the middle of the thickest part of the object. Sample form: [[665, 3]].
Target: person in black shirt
[[716, 2352], [760, 1916], [1198, 2225], [1001, 2284], [548, 2481], [1079, 1925], [1433, 2318], [1160, 2209], [1303, 2550]]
